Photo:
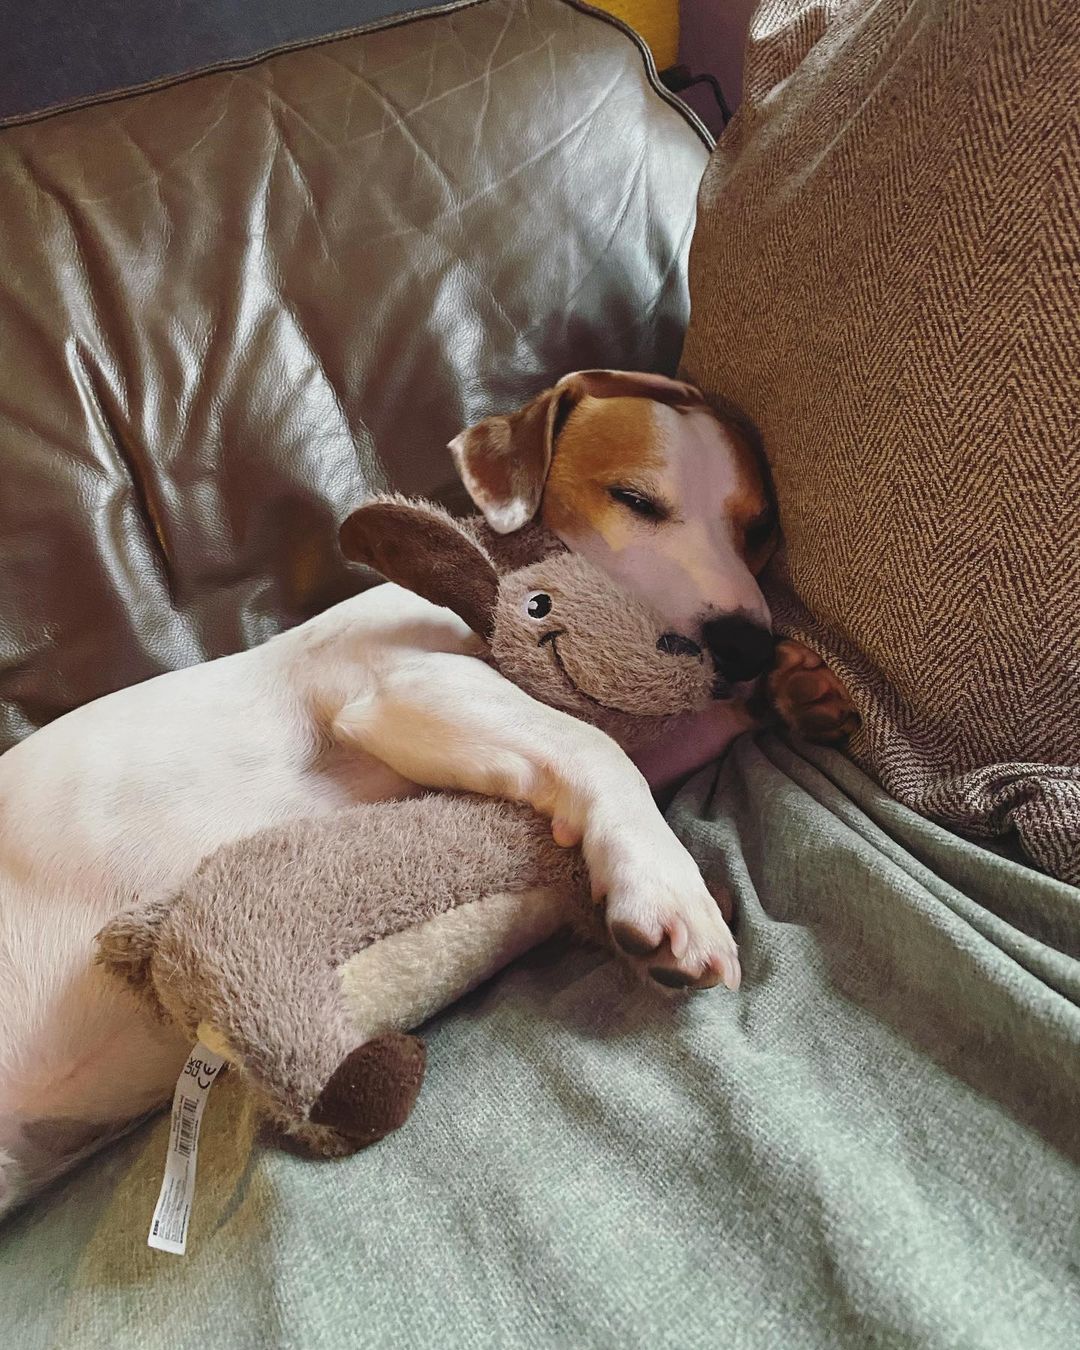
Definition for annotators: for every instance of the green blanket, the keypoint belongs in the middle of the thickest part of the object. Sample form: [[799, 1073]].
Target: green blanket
[[874, 1144]]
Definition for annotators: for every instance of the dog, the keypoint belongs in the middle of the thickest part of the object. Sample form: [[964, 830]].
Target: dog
[[668, 493], [376, 698]]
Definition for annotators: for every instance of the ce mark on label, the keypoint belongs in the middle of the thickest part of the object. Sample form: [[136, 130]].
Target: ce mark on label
[[202, 1072]]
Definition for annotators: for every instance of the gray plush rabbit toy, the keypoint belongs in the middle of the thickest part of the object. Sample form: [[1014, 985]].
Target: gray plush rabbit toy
[[304, 953]]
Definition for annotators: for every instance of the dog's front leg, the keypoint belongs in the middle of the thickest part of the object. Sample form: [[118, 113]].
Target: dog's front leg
[[450, 721]]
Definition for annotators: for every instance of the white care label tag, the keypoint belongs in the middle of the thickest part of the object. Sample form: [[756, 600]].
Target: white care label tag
[[172, 1213]]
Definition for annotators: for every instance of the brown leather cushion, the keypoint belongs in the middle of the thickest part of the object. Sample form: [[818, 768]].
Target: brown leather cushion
[[233, 306], [885, 277]]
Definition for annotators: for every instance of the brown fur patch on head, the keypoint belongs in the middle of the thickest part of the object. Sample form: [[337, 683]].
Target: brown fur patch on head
[[632, 384], [603, 442], [753, 508], [504, 460], [603, 424], [612, 442]]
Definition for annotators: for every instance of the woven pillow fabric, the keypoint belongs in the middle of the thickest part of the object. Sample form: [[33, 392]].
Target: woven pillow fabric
[[886, 278]]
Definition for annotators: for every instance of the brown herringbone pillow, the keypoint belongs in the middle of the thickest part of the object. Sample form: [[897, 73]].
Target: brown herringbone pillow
[[885, 277]]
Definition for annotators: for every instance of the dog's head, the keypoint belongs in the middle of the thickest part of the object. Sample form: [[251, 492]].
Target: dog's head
[[562, 629], [638, 474]]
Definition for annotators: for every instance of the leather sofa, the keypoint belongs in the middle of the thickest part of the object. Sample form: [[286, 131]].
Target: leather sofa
[[232, 305]]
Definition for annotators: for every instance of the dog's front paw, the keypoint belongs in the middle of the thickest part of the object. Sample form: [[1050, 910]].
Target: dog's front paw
[[662, 917], [808, 697]]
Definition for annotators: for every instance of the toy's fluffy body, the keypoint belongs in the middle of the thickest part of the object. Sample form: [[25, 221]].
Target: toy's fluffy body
[[263, 954]]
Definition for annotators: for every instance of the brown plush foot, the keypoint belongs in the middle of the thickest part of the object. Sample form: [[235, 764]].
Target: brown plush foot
[[373, 1089], [808, 697]]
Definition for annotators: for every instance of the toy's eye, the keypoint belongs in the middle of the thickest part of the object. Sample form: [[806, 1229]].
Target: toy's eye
[[538, 605]]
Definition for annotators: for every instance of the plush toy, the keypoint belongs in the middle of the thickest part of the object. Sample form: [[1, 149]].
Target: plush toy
[[304, 953]]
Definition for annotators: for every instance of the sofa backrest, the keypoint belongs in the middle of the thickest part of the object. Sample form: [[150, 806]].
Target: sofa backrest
[[232, 306]]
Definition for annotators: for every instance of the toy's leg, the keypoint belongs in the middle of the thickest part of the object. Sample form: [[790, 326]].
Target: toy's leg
[[369, 1094], [315, 1083], [400, 981]]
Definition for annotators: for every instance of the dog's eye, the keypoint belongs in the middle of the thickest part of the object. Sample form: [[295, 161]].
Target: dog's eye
[[638, 503], [538, 605], [759, 532]]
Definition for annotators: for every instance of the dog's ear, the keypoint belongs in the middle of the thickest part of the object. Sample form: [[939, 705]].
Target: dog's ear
[[504, 461], [420, 547]]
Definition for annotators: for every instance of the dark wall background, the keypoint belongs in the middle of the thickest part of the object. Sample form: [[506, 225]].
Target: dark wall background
[[712, 34], [52, 51]]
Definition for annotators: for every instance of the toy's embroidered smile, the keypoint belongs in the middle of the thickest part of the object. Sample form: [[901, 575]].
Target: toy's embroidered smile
[[549, 638]]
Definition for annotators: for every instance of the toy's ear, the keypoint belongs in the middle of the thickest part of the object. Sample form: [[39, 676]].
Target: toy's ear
[[126, 945], [420, 547], [504, 461]]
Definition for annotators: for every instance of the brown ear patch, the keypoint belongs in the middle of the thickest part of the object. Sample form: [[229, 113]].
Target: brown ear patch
[[418, 546]]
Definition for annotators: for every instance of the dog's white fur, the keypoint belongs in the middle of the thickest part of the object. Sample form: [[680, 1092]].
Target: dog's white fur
[[122, 798]]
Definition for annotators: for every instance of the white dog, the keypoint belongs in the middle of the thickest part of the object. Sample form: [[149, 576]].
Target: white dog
[[123, 797]]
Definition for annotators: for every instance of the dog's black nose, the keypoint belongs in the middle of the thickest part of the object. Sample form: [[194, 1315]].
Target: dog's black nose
[[674, 644], [741, 649]]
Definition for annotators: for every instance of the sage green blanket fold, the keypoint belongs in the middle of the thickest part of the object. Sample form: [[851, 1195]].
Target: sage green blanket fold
[[875, 1143]]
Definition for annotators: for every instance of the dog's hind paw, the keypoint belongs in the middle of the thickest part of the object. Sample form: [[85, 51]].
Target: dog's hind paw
[[808, 698]]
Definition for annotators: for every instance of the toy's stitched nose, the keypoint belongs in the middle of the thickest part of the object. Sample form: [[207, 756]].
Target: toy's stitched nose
[[740, 648], [674, 644]]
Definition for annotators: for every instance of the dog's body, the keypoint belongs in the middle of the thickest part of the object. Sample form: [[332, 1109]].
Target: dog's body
[[122, 798]]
